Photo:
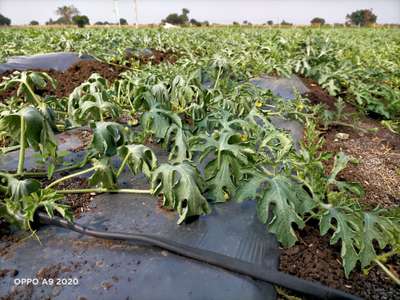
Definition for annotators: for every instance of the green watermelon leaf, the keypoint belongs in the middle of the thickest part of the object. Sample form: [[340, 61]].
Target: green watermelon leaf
[[140, 159], [181, 187]]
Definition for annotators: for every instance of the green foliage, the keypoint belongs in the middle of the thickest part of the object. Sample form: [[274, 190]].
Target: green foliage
[[66, 13], [38, 131], [15, 189], [346, 230], [227, 154], [177, 137], [176, 19], [156, 121], [104, 175], [361, 17], [317, 21], [92, 101], [280, 203], [28, 82], [107, 137], [205, 114], [181, 187], [123, 21], [20, 199], [139, 158], [4, 21], [80, 21], [22, 212]]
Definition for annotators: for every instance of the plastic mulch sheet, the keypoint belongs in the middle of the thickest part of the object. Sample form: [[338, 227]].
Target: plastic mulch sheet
[[52, 61], [108, 270]]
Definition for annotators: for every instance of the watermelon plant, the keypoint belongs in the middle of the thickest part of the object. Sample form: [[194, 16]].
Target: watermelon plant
[[216, 127]]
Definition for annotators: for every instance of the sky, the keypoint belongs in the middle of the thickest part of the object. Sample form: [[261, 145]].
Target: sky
[[217, 11]]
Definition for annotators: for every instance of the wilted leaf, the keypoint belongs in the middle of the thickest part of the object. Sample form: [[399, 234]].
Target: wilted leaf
[[181, 186], [139, 159], [103, 175], [347, 226], [15, 189], [176, 137], [107, 137]]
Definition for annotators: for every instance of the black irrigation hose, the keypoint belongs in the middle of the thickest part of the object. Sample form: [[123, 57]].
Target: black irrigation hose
[[312, 289]]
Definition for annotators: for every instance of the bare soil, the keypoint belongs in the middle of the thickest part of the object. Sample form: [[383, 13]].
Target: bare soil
[[313, 258], [78, 203], [377, 152], [156, 58], [70, 79]]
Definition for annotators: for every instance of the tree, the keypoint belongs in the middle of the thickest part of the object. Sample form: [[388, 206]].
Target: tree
[[4, 21], [173, 19], [194, 22], [59, 21], [34, 23], [318, 21], [284, 23], [185, 11], [103, 23], [81, 21], [184, 16], [66, 13], [176, 19], [270, 22], [123, 21], [362, 17]]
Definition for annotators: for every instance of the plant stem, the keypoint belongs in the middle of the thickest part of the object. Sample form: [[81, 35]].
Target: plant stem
[[383, 257], [9, 149], [339, 123], [60, 112], [44, 174], [38, 102], [21, 158], [70, 176], [267, 172], [122, 166], [387, 271], [104, 190], [119, 93], [217, 80]]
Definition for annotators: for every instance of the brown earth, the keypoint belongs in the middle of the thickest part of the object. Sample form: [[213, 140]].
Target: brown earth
[[377, 167], [70, 79], [78, 203], [375, 148], [156, 58], [78, 73], [313, 258]]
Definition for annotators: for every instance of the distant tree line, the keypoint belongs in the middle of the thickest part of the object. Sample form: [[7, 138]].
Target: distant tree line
[[68, 15], [122, 22]]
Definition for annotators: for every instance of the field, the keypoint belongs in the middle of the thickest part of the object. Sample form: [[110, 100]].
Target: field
[[331, 198]]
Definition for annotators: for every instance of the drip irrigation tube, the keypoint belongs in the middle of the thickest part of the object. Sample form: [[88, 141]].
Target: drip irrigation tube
[[312, 289]]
